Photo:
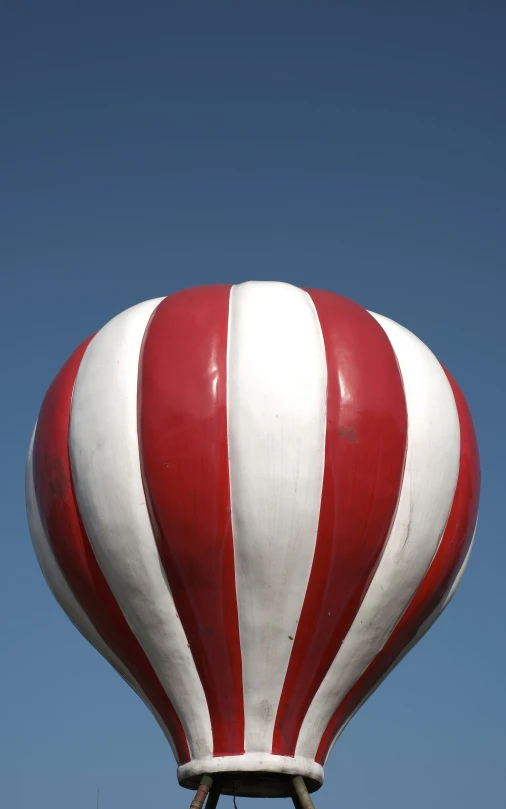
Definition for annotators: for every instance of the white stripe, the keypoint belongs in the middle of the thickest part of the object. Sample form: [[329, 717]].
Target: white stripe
[[419, 635], [428, 487], [104, 454], [65, 598], [277, 379]]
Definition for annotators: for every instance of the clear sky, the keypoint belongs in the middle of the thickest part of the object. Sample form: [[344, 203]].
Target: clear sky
[[354, 146]]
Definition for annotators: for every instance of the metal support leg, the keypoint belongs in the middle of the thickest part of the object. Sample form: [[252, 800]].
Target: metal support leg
[[206, 783], [301, 797], [213, 797], [296, 801]]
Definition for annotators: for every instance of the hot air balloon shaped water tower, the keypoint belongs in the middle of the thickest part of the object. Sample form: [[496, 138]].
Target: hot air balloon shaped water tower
[[253, 500]]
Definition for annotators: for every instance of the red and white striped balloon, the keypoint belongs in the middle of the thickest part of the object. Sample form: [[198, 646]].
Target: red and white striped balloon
[[253, 501]]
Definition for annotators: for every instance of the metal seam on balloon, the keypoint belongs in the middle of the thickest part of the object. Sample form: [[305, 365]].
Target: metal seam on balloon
[[104, 447]]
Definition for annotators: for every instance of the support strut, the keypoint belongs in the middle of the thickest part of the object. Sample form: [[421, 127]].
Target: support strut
[[205, 785], [210, 789], [214, 795], [301, 797]]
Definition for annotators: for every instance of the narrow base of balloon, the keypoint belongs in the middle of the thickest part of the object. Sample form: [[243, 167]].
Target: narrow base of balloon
[[253, 774]]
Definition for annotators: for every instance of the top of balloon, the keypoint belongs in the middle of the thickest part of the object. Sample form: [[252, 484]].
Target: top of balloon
[[253, 501]]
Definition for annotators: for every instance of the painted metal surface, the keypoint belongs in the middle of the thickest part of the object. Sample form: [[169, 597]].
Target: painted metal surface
[[436, 588], [276, 435], [253, 501], [106, 472], [60, 517], [426, 494], [69, 604], [183, 437], [366, 431]]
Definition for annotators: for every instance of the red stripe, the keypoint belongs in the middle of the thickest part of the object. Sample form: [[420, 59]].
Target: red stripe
[[183, 431], [364, 460], [64, 529], [438, 579]]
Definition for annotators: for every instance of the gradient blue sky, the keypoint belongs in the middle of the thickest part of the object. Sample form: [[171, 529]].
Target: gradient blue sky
[[354, 146]]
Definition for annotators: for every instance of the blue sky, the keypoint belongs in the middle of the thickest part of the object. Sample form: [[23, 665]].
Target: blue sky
[[355, 146]]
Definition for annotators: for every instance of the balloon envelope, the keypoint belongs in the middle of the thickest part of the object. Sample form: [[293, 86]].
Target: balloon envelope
[[253, 500]]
